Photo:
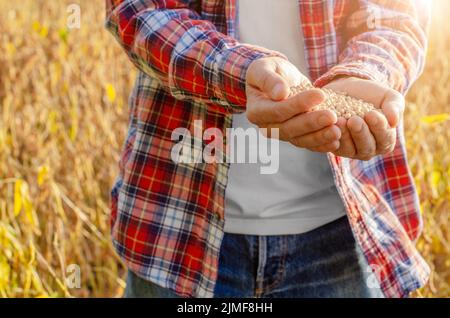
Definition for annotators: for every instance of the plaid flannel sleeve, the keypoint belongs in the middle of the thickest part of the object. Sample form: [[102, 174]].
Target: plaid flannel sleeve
[[387, 43], [169, 41]]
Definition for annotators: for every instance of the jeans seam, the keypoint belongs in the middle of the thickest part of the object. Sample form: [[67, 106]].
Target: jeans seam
[[281, 268], [262, 259]]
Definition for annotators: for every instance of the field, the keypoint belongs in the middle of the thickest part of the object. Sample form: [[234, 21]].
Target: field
[[63, 117]]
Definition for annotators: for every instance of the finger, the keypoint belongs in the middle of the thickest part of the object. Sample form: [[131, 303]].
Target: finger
[[319, 138], [267, 80], [380, 129], [307, 123], [362, 138], [347, 147], [331, 147], [393, 106], [269, 112]]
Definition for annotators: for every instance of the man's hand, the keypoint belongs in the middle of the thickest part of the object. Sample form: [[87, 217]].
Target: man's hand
[[269, 106], [375, 134]]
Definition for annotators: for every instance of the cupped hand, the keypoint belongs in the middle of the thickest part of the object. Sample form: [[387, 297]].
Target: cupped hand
[[269, 106], [375, 134]]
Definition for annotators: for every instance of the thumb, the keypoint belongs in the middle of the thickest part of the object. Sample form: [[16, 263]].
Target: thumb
[[268, 81], [275, 86]]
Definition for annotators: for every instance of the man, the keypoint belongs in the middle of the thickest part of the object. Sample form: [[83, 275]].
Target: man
[[339, 218]]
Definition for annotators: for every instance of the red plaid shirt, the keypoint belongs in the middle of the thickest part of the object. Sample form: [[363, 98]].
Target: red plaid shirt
[[167, 218]]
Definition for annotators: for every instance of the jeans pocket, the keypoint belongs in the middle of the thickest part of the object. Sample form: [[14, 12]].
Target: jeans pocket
[[138, 287]]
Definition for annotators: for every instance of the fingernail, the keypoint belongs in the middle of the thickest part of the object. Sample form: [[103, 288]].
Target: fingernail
[[319, 97], [277, 90], [329, 135]]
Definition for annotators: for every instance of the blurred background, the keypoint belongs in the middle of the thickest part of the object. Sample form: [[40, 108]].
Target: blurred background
[[63, 118]]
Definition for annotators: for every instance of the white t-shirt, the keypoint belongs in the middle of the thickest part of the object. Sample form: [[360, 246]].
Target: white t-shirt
[[302, 195]]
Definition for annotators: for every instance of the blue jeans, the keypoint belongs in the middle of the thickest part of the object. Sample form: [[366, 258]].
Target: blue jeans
[[325, 262]]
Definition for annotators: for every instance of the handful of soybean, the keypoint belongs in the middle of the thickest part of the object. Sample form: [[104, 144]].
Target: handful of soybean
[[342, 104]]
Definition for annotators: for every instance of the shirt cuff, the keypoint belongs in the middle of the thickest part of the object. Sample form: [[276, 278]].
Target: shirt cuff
[[358, 69], [230, 80]]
